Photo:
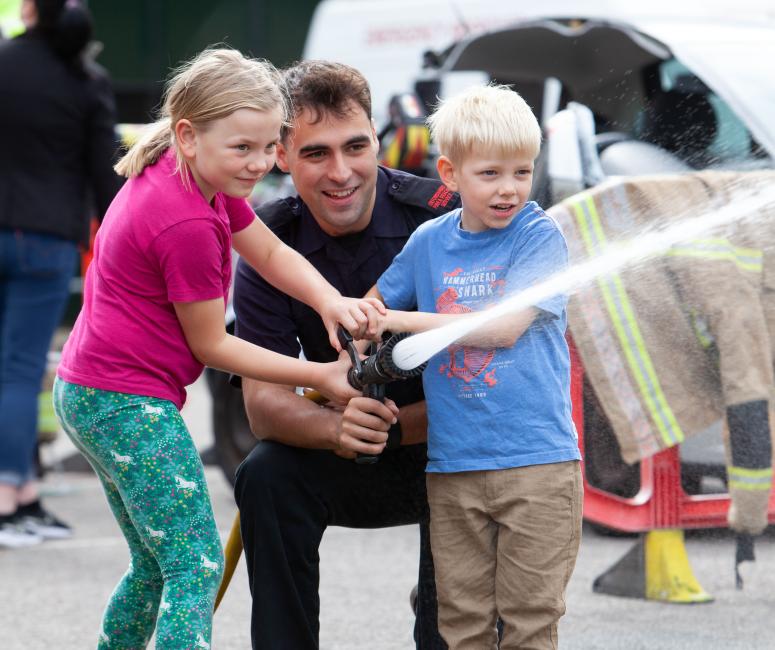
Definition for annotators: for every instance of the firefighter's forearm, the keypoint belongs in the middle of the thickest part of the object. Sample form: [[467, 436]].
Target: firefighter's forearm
[[278, 413], [414, 423]]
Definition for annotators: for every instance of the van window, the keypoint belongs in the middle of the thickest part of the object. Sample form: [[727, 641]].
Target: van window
[[732, 146]]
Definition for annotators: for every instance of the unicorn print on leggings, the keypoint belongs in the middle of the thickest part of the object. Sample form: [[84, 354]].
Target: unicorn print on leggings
[[122, 460], [183, 484]]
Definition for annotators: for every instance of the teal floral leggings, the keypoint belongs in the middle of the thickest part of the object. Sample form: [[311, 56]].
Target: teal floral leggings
[[154, 480]]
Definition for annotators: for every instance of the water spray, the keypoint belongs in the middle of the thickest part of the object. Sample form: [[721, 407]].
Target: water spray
[[415, 350]]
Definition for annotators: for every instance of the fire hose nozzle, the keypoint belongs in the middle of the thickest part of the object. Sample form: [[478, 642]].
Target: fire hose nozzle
[[378, 367], [371, 374]]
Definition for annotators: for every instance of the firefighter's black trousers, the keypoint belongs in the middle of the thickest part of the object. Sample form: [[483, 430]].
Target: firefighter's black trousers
[[287, 496]]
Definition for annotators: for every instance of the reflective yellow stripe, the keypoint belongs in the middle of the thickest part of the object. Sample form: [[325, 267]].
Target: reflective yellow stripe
[[632, 341], [626, 327], [749, 479], [591, 315], [746, 259], [742, 472], [751, 487]]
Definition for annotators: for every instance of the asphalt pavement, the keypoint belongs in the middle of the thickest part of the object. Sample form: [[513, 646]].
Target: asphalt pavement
[[52, 595]]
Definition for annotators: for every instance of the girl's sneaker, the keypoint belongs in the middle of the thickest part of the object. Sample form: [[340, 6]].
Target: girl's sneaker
[[13, 534], [42, 523]]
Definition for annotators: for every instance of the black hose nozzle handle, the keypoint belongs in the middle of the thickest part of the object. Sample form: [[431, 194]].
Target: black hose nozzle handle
[[371, 374]]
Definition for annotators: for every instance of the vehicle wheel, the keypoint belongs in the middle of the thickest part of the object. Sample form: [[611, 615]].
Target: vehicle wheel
[[233, 437]]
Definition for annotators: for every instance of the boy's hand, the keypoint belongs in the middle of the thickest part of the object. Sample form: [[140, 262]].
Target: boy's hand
[[364, 427], [362, 317]]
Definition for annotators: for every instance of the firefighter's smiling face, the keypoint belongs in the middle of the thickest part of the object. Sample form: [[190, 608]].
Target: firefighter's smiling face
[[493, 186], [333, 163]]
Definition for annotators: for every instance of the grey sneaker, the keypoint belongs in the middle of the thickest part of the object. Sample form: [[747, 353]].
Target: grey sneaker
[[42, 523], [13, 534]]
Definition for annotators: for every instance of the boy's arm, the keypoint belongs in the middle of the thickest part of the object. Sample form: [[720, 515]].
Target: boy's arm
[[501, 332]]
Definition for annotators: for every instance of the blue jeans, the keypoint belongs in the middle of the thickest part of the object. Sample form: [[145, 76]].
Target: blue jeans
[[35, 272]]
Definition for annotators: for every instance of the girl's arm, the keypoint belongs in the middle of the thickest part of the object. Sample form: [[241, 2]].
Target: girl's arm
[[501, 332], [287, 270], [203, 327]]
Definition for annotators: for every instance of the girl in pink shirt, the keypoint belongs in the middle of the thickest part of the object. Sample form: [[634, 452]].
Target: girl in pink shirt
[[153, 316]]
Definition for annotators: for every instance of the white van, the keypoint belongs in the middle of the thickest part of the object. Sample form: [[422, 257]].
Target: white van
[[386, 39]]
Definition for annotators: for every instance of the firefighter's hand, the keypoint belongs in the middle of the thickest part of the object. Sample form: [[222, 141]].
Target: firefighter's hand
[[364, 425], [362, 317]]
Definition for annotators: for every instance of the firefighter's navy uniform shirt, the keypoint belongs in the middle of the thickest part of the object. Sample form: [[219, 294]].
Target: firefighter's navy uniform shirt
[[352, 264]]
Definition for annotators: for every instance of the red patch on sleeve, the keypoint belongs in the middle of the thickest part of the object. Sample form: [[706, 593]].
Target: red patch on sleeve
[[441, 198]]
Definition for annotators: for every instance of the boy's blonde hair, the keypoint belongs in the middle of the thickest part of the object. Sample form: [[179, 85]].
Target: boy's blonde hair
[[211, 86], [485, 118]]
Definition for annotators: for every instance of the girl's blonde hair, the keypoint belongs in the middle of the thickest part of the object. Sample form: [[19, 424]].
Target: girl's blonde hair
[[485, 118], [211, 86]]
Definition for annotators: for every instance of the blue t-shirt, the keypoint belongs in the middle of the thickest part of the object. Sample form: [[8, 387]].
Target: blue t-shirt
[[490, 408]]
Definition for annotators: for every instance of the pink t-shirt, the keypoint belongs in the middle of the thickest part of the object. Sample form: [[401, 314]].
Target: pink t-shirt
[[159, 243]]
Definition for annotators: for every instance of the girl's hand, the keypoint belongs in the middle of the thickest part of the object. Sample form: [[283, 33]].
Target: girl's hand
[[333, 383], [362, 317]]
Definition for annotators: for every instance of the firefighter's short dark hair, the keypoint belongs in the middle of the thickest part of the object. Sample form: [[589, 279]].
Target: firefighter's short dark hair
[[325, 87]]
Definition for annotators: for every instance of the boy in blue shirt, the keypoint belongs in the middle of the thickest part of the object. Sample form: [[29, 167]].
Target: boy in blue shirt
[[503, 476]]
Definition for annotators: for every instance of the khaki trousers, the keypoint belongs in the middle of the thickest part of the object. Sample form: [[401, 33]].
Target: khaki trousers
[[504, 544]]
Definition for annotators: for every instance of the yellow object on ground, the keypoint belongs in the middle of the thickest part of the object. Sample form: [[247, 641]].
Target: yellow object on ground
[[669, 576], [655, 568]]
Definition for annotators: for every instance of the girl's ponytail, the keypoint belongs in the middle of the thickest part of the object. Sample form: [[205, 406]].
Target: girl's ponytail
[[155, 139]]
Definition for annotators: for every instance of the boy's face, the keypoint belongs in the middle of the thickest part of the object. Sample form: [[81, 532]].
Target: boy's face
[[493, 187]]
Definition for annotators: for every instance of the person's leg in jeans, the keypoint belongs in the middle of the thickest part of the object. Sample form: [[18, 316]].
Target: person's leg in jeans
[[35, 272], [463, 539], [538, 510], [287, 497]]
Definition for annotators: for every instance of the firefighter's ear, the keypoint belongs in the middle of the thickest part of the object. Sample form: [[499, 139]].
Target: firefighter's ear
[[446, 169], [374, 136], [282, 158]]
